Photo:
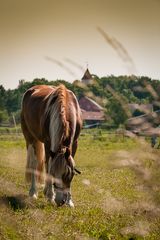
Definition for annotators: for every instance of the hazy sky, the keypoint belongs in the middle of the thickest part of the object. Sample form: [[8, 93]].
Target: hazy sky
[[37, 36]]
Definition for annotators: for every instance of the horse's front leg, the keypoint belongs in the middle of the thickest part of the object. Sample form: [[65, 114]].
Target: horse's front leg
[[33, 189], [48, 189]]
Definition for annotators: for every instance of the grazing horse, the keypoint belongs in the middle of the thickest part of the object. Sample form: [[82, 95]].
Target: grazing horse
[[51, 123]]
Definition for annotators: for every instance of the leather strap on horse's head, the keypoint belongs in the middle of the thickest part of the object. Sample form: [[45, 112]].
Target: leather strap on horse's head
[[67, 154], [64, 150]]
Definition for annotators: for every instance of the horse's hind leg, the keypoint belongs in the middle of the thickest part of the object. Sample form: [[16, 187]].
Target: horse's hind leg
[[31, 158], [31, 168], [35, 165], [35, 159], [40, 156]]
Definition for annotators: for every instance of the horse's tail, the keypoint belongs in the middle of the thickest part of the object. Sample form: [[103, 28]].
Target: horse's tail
[[35, 162], [59, 126]]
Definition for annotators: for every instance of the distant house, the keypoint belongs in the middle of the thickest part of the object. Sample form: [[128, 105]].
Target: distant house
[[92, 112], [143, 118], [140, 109]]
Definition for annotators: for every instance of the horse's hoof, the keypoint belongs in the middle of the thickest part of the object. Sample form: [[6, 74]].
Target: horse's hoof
[[34, 196], [51, 201]]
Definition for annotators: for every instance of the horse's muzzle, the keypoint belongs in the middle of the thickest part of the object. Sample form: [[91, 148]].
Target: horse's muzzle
[[60, 198]]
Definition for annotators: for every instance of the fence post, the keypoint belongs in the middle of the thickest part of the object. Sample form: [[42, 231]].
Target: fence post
[[15, 125]]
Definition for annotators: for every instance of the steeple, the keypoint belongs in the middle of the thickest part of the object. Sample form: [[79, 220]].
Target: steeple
[[87, 77]]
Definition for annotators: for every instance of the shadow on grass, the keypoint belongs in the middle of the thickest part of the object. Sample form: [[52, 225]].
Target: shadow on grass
[[14, 202]]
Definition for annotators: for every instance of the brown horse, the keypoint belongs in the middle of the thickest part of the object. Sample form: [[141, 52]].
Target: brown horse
[[51, 123]]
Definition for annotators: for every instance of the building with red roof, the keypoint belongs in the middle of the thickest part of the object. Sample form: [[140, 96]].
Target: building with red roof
[[92, 112]]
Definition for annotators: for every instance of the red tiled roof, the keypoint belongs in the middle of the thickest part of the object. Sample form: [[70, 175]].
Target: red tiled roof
[[89, 105]]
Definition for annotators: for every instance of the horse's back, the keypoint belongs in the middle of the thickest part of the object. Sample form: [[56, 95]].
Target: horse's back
[[33, 108], [39, 92], [37, 102]]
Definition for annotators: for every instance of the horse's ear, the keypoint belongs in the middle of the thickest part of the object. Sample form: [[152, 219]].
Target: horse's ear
[[67, 153], [69, 158]]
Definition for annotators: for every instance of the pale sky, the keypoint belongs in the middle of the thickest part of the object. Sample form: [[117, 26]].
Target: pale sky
[[37, 36]]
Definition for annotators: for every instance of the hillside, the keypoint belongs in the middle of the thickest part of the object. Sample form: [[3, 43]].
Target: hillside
[[112, 93]]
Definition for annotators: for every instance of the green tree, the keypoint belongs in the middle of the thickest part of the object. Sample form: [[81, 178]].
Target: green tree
[[2, 98], [3, 116], [117, 112]]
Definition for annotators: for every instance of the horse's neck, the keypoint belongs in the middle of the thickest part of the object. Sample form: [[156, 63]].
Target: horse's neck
[[59, 126]]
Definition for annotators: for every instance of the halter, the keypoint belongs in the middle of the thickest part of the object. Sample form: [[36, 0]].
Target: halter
[[53, 154], [62, 151], [62, 189]]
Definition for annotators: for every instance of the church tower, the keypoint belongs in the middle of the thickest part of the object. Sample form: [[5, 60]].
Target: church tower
[[87, 77]]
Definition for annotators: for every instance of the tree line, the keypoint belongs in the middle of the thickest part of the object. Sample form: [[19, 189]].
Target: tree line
[[111, 92]]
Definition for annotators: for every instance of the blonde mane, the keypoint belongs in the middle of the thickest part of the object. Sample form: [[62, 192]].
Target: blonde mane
[[59, 126]]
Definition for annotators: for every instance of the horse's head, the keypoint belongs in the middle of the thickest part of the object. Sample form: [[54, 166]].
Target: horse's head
[[62, 168]]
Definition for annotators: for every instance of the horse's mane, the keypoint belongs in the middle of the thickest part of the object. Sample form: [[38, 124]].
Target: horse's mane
[[59, 126]]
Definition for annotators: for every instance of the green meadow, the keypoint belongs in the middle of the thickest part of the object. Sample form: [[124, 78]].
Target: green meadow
[[116, 197]]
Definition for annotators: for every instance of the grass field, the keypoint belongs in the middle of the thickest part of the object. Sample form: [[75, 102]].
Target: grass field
[[117, 196]]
